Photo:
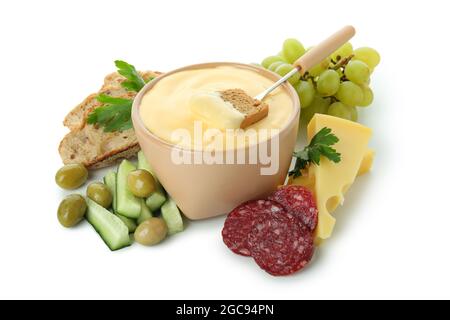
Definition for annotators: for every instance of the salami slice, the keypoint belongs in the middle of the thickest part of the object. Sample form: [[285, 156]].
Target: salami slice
[[280, 244], [299, 201], [240, 222]]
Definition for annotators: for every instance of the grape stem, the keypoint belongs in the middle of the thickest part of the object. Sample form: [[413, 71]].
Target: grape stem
[[343, 62], [306, 77]]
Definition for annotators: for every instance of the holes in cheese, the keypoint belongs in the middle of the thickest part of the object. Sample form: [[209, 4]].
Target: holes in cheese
[[333, 203], [367, 162], [345, 188], [333, 179]]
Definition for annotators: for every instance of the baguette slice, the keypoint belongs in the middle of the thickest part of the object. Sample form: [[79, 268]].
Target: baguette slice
[[90, 145]]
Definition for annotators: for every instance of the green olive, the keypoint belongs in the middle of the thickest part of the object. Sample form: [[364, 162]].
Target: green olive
[[141, 183], [71, 210], [99, 193], [151, 232], [71, 176]]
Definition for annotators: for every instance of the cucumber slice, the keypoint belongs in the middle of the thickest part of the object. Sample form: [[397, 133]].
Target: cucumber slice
[[143, 163], [110, 182], [110, 228], [145, 212], [127, 204], [130, 223], [172, 216], [157, 198]]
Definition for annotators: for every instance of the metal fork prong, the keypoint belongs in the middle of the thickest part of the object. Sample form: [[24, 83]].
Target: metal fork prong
[[263, 94]]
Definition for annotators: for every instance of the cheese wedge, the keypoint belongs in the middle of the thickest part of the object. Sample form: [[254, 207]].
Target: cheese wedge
[[332, 180], [308, 181]]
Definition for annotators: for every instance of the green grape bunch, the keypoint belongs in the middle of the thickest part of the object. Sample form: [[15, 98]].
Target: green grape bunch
[[337, 86]]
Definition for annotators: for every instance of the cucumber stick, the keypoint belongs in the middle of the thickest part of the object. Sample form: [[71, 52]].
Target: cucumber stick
[[127, 204], [130, 223], [145, 212], [110, 182], [172, 216], [157, 198], [143, 163], [110, 228]]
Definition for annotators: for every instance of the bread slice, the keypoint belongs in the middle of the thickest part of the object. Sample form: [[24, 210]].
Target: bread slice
[[254, 110], [111, 86], [95, 148], [74, 120], [89, 144]]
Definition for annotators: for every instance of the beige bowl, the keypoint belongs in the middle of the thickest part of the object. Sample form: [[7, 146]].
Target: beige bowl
[[207, 190]]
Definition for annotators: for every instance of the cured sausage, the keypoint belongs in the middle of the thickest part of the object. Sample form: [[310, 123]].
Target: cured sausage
[[240, 222], [300, 202], [280, 244]]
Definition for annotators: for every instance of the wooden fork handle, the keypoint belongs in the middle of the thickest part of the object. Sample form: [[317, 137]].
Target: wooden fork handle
[[320, 52]]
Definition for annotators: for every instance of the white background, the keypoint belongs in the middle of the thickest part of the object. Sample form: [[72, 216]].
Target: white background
[[391, 239]]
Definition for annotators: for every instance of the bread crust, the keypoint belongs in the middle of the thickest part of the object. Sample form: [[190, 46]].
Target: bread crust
[[258, 114]]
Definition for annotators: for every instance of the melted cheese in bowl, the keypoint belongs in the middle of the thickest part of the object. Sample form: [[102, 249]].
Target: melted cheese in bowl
[[165, 109]]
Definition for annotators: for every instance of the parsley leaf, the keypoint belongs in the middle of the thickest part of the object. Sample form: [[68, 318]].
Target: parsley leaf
[[134, 80], [320, 145], [105, 99], [114, 115]]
